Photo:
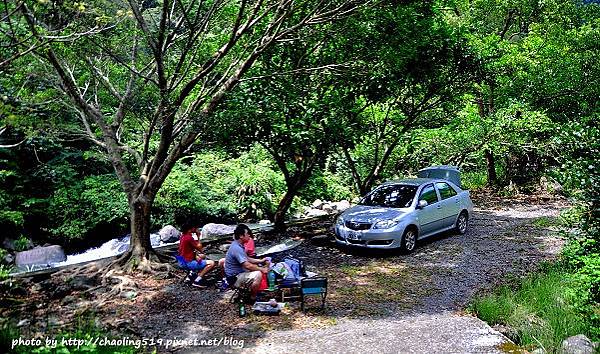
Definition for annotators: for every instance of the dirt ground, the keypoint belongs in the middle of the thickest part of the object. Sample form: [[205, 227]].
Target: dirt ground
[[382, 301]]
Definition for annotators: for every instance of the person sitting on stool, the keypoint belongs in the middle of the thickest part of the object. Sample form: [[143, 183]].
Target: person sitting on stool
[[192, 253], [240, 269]]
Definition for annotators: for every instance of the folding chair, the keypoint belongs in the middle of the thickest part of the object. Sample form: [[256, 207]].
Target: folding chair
[[315, 286]]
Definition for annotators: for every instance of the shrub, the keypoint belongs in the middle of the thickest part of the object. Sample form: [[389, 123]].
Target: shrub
[[21, 244], [4, 271], [79, 208], [214, 186], [474, 180], [543, 310], [327, 186]]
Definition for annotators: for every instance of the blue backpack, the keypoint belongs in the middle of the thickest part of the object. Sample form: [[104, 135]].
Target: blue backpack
[[296, 266]]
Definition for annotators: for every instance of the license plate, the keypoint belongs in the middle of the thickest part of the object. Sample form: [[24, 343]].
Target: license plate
[[352, 235]]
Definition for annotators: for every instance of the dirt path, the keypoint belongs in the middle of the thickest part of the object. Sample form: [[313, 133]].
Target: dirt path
[[383, 302]]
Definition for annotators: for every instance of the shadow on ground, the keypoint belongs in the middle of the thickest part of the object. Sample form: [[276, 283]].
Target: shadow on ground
[[443, 274]]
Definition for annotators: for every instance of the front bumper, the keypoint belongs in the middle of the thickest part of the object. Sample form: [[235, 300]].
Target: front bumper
[[382, 239]]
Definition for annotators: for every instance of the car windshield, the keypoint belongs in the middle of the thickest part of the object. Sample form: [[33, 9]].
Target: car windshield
[[391, 196]]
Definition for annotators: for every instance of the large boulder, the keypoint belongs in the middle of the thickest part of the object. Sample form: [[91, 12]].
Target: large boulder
[[317, 204], [314, 212], [214, 230], [43, 256], [579, 344], [169, 234], [341, 205]]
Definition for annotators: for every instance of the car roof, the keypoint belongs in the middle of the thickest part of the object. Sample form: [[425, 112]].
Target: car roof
[[413, 181]]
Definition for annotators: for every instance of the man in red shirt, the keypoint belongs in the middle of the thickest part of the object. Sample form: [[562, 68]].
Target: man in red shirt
[[192, 253]]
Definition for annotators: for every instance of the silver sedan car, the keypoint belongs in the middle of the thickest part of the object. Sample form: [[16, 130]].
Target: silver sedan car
[[399, 213]]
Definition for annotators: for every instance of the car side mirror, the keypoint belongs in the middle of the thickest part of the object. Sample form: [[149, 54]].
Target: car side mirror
[[422, 204]]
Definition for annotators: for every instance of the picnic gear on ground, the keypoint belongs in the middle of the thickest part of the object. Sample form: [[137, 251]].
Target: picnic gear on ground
[[266, 308]]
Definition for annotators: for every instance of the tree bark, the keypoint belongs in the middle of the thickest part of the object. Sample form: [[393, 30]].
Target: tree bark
[[282, 208], [491, 168], [293, 187], [140, 246]]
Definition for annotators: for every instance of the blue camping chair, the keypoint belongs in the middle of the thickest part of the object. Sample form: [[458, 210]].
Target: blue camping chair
[[315, 286]]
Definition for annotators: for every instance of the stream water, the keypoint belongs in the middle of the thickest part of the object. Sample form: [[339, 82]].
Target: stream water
[[113, 247]]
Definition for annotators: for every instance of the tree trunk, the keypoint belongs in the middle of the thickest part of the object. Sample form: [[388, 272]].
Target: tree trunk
[[491, 168], [139, 245], [284, 205]]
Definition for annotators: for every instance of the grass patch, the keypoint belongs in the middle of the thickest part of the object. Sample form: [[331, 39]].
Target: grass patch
[[546, 221], [541, 312]]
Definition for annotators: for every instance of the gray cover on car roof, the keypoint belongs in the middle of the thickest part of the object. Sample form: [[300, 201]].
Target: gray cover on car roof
[[449, 173]]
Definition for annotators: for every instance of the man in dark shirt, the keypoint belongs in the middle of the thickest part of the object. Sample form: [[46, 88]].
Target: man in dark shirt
[[192, 253], [240, 269]]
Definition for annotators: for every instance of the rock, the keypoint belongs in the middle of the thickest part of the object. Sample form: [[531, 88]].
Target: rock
[[341, 205], [60, 291], [9, 244], [539, 351], [214, 230], [550, 186], [264, 222], [169, 234], [129, 295], [317, 204], [40, 256], [53, 321], [579, 344], [328, 207], [67, 300], [24, 322], [9, 258], [315, 212], [82, 282], [155, 239], [36, 288]]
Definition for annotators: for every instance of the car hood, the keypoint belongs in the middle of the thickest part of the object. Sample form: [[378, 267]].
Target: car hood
[[371, 214]]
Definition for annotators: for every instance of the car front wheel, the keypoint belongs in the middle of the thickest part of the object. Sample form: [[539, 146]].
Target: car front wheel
[[461, 223], [409, 240]]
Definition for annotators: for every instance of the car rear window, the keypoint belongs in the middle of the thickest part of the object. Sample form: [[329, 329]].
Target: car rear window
[[391, 196], [446, 191]]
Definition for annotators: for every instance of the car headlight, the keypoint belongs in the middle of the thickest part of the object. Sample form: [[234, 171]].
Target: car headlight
[[339, 221], [385, 224]]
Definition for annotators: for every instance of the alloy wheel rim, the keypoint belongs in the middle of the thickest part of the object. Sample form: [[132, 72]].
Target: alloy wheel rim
[[410, 240], [462, 223]]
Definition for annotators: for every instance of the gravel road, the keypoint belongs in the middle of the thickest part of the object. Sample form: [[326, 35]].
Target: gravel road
[[378, 302]]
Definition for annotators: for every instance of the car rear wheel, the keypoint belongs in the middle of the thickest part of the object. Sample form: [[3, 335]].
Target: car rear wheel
[[462, 223], [409, 240]]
